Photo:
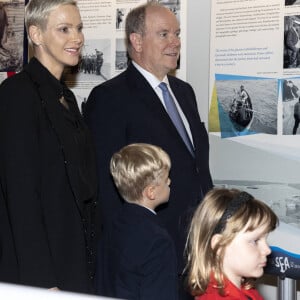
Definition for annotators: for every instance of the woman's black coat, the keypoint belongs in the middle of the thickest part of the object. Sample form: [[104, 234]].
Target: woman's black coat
[[47, 196]]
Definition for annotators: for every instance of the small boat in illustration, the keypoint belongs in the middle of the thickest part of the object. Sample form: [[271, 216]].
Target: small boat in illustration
[[241, 111]]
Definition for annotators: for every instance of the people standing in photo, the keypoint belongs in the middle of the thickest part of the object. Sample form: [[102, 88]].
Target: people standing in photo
[[292, 44], [47, 162], [296, 116], [139, 257], [3, 25], [146, 105], [227, 245], [119, 17], [99, 61]]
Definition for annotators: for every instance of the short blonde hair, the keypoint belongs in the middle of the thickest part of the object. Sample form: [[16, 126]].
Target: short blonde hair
[[224, 211], [37, 11], [136, 166]]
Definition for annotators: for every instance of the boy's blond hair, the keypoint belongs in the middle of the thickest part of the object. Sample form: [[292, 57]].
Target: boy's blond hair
[[208, 219], [137, 166]]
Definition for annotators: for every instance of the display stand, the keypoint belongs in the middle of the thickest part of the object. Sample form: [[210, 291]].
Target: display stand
[[286, 289], [284, 261]]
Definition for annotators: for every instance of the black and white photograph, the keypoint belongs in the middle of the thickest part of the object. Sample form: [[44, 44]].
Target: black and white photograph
[[94, 68], [290, 106], [11, 35], [121, 55], [94, 64], [282, 198], [173, 5], [248, 106], [291, 58], [290, 90], [292, 2], [120, 18]]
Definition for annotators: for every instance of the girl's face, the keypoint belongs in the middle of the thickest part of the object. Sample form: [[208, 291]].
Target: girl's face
[[246, 255], [61, 41]]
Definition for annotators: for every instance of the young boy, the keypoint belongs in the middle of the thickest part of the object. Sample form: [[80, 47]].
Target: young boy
[[138, 256]]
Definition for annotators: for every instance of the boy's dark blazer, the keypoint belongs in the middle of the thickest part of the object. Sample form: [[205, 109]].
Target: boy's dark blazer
[[138, 257], [127, 110]]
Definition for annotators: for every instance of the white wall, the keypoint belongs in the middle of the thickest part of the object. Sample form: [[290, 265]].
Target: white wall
[[198, 40], [198, 33]]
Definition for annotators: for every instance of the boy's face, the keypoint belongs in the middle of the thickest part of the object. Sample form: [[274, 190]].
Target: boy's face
[[162, 189]]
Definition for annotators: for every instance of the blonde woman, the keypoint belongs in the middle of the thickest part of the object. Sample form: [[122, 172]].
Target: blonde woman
[[47, 175]]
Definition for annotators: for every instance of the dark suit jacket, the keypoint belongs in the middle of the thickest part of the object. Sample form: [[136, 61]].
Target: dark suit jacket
[[126, 110], [45, 205], [139, 258]]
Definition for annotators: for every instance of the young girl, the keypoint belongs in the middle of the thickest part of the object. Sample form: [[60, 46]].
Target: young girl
[[227, 245]]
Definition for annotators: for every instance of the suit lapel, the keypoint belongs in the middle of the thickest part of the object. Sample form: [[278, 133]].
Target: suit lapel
[[144, 91]]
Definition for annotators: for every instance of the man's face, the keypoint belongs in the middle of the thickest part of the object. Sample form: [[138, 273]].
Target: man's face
[[160, 45]]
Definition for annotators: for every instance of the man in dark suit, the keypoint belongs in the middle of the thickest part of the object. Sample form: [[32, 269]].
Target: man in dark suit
[[130, 108]]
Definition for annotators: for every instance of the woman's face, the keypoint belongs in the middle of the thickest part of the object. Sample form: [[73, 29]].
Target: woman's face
[[61, 41]]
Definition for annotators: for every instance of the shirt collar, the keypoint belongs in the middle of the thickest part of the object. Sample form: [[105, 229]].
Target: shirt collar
[[152, 80]]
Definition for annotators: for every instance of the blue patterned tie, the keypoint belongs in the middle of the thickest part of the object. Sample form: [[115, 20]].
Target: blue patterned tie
[[175, 117]]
